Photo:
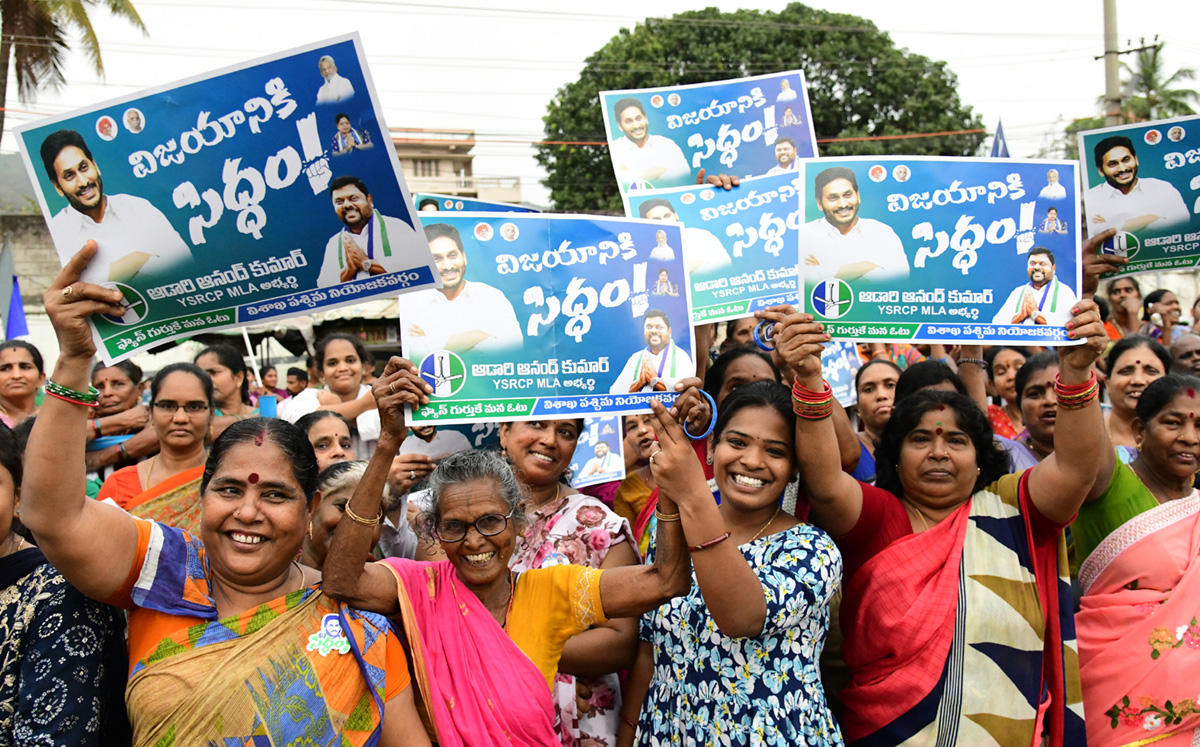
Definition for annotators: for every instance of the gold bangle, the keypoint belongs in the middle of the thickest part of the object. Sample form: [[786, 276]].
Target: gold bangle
[[665, 517], [365, 522]]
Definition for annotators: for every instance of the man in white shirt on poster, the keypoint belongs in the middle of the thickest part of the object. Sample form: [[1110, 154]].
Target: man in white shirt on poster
[[132, 236], [335, 88], [659, 365], [1054, 190], [1043, 300], [785, 156], [1126, 202], [461, 315], [844, 245], [604, 462], [435, 444], [642, 157], [370, 243]]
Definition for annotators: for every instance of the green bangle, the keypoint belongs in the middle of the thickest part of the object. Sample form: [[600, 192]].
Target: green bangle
[[91, 397]]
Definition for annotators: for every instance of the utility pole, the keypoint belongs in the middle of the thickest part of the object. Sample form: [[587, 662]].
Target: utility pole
[[1112, 78]]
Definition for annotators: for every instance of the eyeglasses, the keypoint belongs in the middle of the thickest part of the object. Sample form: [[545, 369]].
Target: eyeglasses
[[488, 525], [167, 407]]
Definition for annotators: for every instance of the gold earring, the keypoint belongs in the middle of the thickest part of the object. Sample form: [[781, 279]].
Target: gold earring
[[310, 529]]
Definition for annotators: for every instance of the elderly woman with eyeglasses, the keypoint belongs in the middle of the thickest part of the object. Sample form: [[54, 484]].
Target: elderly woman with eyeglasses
[[486, 640]]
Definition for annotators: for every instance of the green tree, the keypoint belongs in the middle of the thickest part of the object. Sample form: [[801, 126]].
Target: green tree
[[34, 41], [1152, 94], [859, 84]]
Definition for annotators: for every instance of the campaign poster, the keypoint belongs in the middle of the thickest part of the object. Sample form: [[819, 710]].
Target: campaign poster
[[439, 441], [1144, 181], [937, 249], [263, 190], [550, 316], [740, 245], [600, 452], [661, 137], [428, 202], [839, 365]]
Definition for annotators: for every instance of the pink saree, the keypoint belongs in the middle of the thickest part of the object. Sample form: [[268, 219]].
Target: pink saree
[[476, 686], [1139, 639]]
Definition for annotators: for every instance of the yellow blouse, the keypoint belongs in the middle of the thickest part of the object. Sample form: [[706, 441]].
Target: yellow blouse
[[549, 606]]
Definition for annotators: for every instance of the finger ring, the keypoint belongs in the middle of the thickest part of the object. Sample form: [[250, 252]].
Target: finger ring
[[412, 474], [392, 386], [66, 292], [654, 455]]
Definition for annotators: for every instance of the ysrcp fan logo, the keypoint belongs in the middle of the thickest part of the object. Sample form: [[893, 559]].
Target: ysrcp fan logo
[[832, 298], [444, 371], [134, 303]]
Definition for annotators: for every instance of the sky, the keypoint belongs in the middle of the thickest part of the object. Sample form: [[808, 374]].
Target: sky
[[463, 65]]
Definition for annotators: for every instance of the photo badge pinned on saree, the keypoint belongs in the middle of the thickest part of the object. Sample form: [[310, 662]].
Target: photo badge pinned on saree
[[267, 189], [551, 316], [599, 452], [739, 245], [931, 249], [661, 137], [1144, 181]]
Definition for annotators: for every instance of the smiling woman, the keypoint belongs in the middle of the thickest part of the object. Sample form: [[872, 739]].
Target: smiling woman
[[341, 357], [230, 639], [1132, 364]]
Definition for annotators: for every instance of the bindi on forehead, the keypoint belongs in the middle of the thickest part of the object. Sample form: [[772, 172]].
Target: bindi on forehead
[[253, 478], [1191, 393], [938, 430], [260, 438]]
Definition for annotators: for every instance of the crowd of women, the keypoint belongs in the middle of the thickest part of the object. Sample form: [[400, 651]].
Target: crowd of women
[[999, 560]]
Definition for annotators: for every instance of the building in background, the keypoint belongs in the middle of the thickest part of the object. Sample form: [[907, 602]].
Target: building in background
[[440, 161]]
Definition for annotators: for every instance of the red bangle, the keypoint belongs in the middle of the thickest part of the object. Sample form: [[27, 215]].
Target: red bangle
[[710, 543], [628, 721], [1074, 388]]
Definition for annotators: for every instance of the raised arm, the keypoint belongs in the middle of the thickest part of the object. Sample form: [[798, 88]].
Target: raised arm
[[70, 529], [1061, 482], [370, 586], [632, 590], [835, 496], [974, 375]]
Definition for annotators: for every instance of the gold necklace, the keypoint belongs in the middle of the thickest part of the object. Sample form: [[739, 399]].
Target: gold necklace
[[920, 514], [764, 526]]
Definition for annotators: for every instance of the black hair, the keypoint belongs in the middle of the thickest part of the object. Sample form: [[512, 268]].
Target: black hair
[[714, 379], [10, 454], [990, 354], [786, 140], [1034, 364], [625, 103], [1151, 298], [131, 369], [345, 181], [1107, 144], [759, 394], [991, 461], [296, 448], [830, 174], [231, 358], [1102, 307], [1043, 250], [307, 422], [1129, 342], [925, 374], [658, 313], [359, 349], [34, 353], [1108, 289], [428, 201], [1160, 392], [443, 231], [645, 208], [187, 368], [299, 373], [55, 143], [340, 116], [874, 362]]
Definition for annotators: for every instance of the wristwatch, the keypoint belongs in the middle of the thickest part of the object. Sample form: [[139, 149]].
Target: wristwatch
[[367, 265]]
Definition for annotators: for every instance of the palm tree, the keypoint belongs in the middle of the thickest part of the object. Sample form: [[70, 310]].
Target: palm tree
[[34, 41], [1153, 94]]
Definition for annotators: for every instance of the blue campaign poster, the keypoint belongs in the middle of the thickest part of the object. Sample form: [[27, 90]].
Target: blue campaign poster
[[740, 245], [267, 189], [599, 453], [661, 137], [549, 316], [839, 365], [934, 249], [428, 202], [1144, 180]]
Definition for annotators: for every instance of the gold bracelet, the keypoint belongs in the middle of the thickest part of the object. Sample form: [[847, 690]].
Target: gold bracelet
[[365, 522], [665, 517]]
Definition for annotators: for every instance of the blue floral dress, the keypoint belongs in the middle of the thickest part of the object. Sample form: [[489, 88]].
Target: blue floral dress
[[709, 689]]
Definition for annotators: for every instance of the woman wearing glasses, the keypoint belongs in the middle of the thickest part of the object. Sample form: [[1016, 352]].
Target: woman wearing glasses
[[486, 640], [165, 486]]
